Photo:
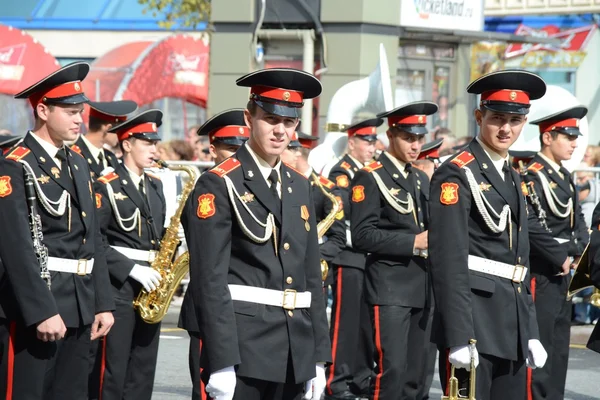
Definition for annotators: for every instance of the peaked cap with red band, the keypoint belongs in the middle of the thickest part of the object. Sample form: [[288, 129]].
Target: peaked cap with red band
[[430, 151], [142, 126], [365, 130], [228, 127], [566, 121], [8, 141], [307, 141], [508, 91], [60, 87], [521, 155], [113, 112], [411, 117], [281, 91]]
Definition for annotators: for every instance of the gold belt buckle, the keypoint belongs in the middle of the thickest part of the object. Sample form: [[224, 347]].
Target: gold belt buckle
[[151, 256], [81, 266], [289, 299], [518, 273]]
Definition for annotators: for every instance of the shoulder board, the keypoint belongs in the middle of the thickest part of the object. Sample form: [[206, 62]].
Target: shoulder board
[[375, 165], [108, 178], [463, 159], [535, 167], [151, 175], [76, 149], [345, 165], [326, 182], [295, 170], [226, 167], [18, 153]]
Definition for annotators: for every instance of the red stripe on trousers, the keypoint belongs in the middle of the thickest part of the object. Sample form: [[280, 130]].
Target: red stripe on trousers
[[529, 370], [336, 327], [202, 388], [448, 372], [11, 359], [380, 354], [102, 366]]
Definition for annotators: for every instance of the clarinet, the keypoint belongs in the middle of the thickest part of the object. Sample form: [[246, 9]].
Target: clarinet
[[533, 197], [35, 226]]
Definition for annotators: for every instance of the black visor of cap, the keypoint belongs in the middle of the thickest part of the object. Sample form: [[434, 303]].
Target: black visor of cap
[[569, 131], [413, 129], [231, 141], [78, 98], [367, 138], [506, 108], [146, 136], [279, 109]]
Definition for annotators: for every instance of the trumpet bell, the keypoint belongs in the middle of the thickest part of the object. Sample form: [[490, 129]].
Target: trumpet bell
[[581, 278]]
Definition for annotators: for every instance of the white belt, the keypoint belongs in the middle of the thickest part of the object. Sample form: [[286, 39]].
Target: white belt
[[79, 267], [515, 273], [137, 255], [288, 299], [561, 241]]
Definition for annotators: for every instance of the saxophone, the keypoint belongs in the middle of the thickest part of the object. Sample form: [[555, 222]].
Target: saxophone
[[324, 225], [153, 306], [533, 197]]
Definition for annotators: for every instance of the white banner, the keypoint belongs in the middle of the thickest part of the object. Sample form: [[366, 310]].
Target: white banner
[[465, 15]]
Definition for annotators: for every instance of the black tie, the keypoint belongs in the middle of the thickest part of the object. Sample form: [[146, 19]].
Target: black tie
[[274, 178], [506, 172], [64, 166], [101, 160], [65, 174], [143, 194]]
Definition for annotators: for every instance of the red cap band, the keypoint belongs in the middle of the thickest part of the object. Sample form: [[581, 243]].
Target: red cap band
[[146, 127], [364, 131], [407, 120], [106, 117], [433, 153], [505, 95], [277, 94], [57, 92], [565, 123], [230, 131], [308, 144]]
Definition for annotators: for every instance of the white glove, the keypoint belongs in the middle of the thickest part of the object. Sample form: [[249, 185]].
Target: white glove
[[537, 354], [221, 384], [460, 357], [148, 277], [314, 388]]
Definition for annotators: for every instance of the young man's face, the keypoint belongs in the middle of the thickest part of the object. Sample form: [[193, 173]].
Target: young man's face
[[360, 149], [62, 121], [269, 133], [499, 130], [562, 146], [221, 151], [405, 146], [142, 152]]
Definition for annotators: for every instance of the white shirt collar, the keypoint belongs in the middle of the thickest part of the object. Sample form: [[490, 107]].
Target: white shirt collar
[[397, 163], [496, 158], [263, 166], [48, 147], [93, 149], [135, 178], [308, 173], [358, 163], [554, 165]]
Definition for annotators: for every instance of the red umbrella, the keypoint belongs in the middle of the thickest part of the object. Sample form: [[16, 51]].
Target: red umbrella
[[23, 60]]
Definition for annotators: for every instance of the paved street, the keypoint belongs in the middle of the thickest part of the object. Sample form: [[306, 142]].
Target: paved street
[[173, 382]]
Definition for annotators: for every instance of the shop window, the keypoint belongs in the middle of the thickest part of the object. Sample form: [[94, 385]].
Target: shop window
[[440, 95], [564, 79]]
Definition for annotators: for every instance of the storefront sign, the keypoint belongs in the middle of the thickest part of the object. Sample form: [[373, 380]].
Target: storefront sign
[[10, 62], [486, 57], [552, 59], [466, 15], [571, 39]]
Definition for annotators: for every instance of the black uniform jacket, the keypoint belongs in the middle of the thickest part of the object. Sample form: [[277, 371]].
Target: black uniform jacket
[[393, 275], [342, 174], [24, 295], [495, 311], [95, 168], [122, 201], [542, 260], [594, 264], [255, 337]]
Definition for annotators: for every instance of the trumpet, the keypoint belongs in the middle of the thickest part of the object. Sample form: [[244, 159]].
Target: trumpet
[[453, 384], [581, 280]]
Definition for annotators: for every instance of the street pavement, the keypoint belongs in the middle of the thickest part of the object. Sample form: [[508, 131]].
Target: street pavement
[[173, 381]]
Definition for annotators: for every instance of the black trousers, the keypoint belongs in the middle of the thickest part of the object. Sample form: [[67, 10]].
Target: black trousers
[[37, 370], [554, 321], [497, 378], [128, 357], [198, 392], [256, 389], [351, 334], [399, 335], [430, 354]]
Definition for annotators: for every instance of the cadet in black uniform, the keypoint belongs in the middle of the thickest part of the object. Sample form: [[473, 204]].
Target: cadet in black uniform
[[479, 246], [103, 116], [561, 212], [594, 265], [351, 334], [51, 320], [226, 131], [131, 209], [390, 222], [429, 157], [254, 266]]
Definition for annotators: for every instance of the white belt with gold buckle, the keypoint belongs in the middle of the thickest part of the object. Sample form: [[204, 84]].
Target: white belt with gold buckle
[[137, 255], [515, 273], [79, 267], [288, 299]]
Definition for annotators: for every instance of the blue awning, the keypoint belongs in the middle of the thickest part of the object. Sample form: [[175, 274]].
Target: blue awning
[[510, 24]]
